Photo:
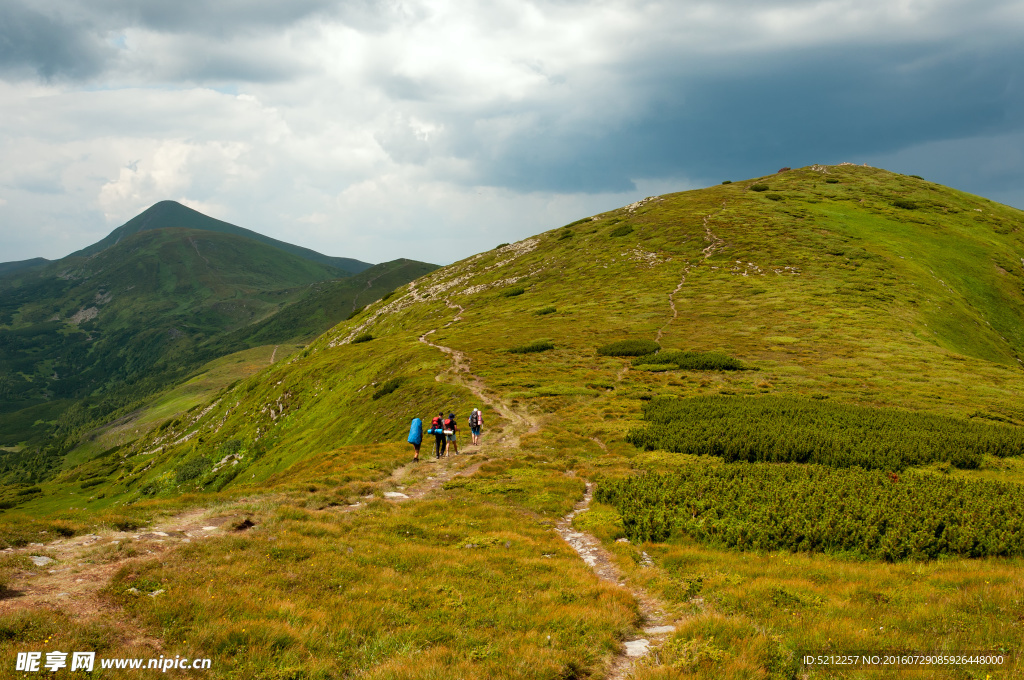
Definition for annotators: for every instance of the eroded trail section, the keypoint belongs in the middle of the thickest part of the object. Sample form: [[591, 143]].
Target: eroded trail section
[[657, 626], [518, 421], [714, 244]]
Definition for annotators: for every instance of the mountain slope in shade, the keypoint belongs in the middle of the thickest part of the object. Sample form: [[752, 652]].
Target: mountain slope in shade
[[171, 214], [21, 265]]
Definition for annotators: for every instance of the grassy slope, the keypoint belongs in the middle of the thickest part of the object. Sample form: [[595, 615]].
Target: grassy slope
[[830, 290]]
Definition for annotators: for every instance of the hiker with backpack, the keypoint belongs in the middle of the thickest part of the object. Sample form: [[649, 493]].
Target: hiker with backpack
[[476, 421], [416, 437], [437, 428], [450, 428]]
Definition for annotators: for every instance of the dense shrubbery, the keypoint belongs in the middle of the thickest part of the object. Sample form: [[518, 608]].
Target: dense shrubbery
[[904, 204], [512, 292], [355, 313], [831, 180], [539, 346], [621, 230], [759, 187], [365, 337], [545, 310], [191, 469], [628, 348], [691, 361], [387, 387], [789, 429], [810, 508]]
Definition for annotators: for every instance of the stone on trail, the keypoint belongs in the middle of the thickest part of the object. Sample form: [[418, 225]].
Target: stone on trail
[[635, 648], [658, 630], [40, 561], [394, 494]]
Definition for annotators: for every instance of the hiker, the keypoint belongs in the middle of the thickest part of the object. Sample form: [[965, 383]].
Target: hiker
[[416, 437], [450, 428], [476, 420], [437, 427]]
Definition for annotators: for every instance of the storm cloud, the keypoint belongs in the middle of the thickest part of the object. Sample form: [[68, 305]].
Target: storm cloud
[[368, 128]]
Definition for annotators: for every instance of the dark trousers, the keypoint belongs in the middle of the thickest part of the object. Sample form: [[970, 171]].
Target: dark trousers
[[438, 449]]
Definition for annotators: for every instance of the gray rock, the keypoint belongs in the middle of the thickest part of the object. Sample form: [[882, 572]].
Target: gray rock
[[394, 494], [41, 561], [658, 630], [637, 648]]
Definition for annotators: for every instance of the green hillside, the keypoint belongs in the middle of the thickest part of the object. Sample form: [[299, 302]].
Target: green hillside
[[89, 336], [820, 333], [173, 215]]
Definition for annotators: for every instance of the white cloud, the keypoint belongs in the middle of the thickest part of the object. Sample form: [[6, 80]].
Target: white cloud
[[373, 130]]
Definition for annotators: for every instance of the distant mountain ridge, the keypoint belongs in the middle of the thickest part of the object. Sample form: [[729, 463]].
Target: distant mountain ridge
[[92, 333], [171, 214]]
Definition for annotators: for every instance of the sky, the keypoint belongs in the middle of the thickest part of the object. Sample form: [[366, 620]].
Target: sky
[[435, 129]]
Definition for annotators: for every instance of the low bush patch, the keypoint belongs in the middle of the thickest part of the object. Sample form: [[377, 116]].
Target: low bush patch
[[538, 346], [759, 187], [387, 387], [692, 361], [365, 337], [628, 348]]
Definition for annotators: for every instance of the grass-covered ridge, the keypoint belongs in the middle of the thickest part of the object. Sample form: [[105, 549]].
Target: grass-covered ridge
[[828, 295]]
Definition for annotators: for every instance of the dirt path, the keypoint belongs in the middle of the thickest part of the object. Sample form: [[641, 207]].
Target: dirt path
[[714, 243], [656, 623], [588, 547], [517, 421]]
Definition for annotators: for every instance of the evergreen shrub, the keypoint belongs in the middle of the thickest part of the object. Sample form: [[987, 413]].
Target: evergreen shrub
[[365, 337], [692, 361], [387, 387], [813, 508], [538, 346], [791, 429], [759, 187], [628, 348], [904, 204], [621, 230]]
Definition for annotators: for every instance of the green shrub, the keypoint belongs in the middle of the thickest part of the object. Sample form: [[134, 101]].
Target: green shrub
[[812, 508], [538, 346], [566, 234], [628, 348], [30, 491], [759, 187], [773, 197], [500, 246], [387, 295], [727, 181], [387, 387], [831, 180], [917, 176], [904, 204], [92, 482], [692, 361], [621, 230], [791, 429], [579, 221], [545, 310], [355, 313], [365, 337], [191, 469], [512, 292]]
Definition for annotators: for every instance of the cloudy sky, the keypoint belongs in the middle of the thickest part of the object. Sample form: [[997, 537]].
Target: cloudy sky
[[433, 129]]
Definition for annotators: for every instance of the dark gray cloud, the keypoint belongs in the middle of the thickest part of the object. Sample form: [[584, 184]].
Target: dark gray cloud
[[785, 110], [48, 45]]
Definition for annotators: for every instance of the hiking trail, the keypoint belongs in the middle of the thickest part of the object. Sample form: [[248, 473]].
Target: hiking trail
[[714, 243], [589, 548]]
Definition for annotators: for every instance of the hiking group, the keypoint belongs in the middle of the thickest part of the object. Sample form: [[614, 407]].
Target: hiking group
[[445, 431]]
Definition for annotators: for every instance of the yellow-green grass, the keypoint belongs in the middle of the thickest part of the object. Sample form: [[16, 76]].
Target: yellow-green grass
[[751, 612], [918, 309]]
